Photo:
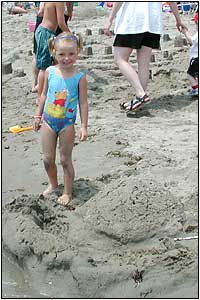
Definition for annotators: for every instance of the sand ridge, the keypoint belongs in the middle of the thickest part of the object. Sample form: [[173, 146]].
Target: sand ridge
[[136, 177]]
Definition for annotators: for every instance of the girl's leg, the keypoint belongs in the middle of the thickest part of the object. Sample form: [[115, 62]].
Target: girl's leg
[[143, 59], [49, 142], [121, 58], [40, 84], [66, 143]]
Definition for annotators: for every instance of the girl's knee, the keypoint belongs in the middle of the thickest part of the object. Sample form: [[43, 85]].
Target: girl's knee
[[48, 163], [66, 163]]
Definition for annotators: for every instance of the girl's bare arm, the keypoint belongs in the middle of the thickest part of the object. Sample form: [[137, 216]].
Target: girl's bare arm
[[83, 107], [44, 94], [187, 35], [180, 26], [37, 117]]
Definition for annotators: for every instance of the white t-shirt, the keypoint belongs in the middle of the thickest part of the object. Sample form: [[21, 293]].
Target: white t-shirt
[[139, 17], [194, 48]]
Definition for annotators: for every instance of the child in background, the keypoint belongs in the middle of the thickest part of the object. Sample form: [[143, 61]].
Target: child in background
[[39, 11], [53, 17], [64, 88], [193, 70]]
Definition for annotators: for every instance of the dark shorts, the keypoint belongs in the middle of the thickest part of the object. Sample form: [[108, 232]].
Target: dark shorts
[[193, 69], [136, 41], [58, 31], [43, 56], [38, 22]]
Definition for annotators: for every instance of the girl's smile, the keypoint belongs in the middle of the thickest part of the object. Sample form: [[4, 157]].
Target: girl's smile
[[66, 53]]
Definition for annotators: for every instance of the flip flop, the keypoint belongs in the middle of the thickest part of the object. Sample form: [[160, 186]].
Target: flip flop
[[124, 105], [138, 103]]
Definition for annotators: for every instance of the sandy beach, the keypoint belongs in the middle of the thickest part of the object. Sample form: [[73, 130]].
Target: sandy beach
[[136, 184]]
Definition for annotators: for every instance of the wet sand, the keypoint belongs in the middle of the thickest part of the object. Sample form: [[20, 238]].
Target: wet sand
[[136, 185]]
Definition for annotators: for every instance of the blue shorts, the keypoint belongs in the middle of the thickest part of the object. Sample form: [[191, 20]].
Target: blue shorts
[[43, 56], [58, 124]]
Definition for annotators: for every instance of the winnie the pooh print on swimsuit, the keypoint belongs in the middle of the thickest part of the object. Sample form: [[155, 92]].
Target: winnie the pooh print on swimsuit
[[57, 109], [62, 98]]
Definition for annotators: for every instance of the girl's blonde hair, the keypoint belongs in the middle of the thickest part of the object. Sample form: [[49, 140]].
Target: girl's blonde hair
[[67, 36]]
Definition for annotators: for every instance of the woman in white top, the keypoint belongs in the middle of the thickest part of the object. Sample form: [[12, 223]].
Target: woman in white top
[[138, 26]]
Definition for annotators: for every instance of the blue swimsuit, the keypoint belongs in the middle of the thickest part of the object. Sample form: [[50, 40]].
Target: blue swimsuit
[[62, 98]]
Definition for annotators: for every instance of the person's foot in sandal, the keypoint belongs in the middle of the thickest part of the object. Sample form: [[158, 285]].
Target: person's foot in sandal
[[124, 105], [65, 199], [50, 189], [137, 102]]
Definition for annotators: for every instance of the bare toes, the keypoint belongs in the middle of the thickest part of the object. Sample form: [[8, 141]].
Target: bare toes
[[64, 199], [48, 191]]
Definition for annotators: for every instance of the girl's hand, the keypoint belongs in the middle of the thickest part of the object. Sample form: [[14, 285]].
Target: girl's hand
[[36, 124], [83, 134]]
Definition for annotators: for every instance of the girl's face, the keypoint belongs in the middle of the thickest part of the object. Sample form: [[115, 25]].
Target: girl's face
[[66, 53]]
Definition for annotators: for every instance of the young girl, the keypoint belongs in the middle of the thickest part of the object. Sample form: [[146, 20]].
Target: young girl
[[64, 88], [193, 70]]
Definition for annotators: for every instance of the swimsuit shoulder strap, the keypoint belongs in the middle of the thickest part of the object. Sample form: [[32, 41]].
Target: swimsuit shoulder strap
[[79, 75]]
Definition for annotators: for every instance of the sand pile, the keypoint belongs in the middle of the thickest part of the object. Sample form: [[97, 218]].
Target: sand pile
[[136, 178]]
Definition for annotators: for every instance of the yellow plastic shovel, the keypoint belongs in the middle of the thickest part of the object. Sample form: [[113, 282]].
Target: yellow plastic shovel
[[17, 129]]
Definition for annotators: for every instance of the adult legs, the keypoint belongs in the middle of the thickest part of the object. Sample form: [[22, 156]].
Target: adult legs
[[49, 142], [121, 58], [143, 59], [66, 143], [35, 76]]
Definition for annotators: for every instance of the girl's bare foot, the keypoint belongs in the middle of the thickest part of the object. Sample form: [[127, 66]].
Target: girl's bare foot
[[49, 191], [64, 199]]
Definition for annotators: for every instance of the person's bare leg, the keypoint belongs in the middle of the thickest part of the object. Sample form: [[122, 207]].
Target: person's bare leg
[[40, 84], [192, 80], [143, 59], [49, 142], [18, 10], [35, 76], [66, 143], [121, 58]]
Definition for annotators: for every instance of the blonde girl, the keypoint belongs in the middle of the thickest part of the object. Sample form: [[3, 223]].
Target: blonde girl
[[64, 88]]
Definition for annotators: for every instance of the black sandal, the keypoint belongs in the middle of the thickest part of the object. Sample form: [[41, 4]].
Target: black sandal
[[124, 105], [137, 103]]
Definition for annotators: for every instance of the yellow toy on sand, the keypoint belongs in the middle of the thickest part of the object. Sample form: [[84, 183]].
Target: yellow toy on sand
[[18, 129]]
